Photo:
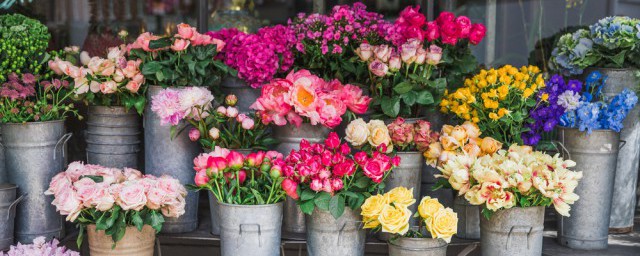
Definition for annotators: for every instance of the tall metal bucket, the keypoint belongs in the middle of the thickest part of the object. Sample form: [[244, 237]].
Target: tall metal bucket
[[289, 137], [8, 204], [3, 170], [34, 153], [468, 218], [246, 94], [164, 155], [134, 242], [514, 231], [327, 236], [406, 175], [405, 246], [250, 229], [625, 184], [595, 155], [113, 137]]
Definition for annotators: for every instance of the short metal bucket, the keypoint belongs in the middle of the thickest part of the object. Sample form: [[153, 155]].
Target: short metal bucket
[[34, 153], [327, 236], [246, 94], [514, 231], [250, 229], [113, 137], [406, 175], [626, 179], [174, 157], [596, 156], [8, 204], [289, 137], [134, 242], [468, 218], [403, 246]]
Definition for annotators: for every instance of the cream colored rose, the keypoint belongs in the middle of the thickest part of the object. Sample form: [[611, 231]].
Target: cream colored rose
[[490, 145], [379, 134], [472, 149], [446, 129], [472, 129], [449, 143], [474, 197], [357, 132], [400, 196], [428, 207], [395, 220], [373, 206], [433, 153], [459, 180], [460, 134], [443, 224]]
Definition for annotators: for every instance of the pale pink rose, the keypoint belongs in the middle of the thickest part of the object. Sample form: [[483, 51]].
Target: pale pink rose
[[171, 186], [95, 63], [378, 68], [185, 31], [395, 63], [58, 183], [109, 175], [67, 203], [382, 52], [94, 86], [132, 68], [75, 170], [107, 68], [108, 87], [365, 51], [409, 50], [87, 190], [200, 39], [180, 45], [81, 85], [248, 124], [114, 53], [133, 86], [118, 76], [139, 78], [219, 43], [104, 200], [173, 208], [132, 196], [144, 39], [155, 198], [75, 72], [132, 174], [53, 65], [434, 55], [421, 56]]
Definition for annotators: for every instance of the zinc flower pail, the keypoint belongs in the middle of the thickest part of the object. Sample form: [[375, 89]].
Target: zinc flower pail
[[327, 236], [113, 137], [34, 153], [596, 156], [514, 231], [468, 218], [245, 93], [407, 175], [250, 229], [404, 246], [174, 157], [3, 170], [626, 179], [134, 242], [8, 204], [289, 137]]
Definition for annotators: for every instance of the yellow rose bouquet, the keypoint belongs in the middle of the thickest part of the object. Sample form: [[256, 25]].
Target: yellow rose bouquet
[[390, 213], [517, 177], [498, 101]]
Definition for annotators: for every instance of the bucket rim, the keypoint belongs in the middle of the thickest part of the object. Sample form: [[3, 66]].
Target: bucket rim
[[35, 123], [611, 69], [592, 131], [8, 186], [250, 205]]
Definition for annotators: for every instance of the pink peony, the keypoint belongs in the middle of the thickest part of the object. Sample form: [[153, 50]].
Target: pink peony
[[201, 178], [166, 105], [235, 160], [194, 134], [248, 124]]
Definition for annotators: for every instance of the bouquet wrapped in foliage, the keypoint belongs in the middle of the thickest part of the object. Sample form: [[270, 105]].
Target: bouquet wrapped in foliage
[[92, 194], [223, 127], [258, 57], [498, 101], [184, 59], [459, 140], [590, 110], [518, 177], [390, 213], [40, 247], [611, 42], [302, 95], [404, 136], [329, 176], [23, 46], [254, 179]]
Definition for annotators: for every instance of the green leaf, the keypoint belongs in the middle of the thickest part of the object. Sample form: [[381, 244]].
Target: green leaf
[[307, 207], [307, 195], [95, 178], [160, 76], [390, 106], [403, 87], [257, 195], [425, 98], [156, 220], [322, 201], [336, 206], [409, 98], [160, 43], [362, 182], [151, 68], [137, 220], [618, 59], [487, 213]]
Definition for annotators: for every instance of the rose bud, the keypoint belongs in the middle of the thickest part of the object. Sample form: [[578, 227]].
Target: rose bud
[[242, 176], [194, 134], [214, 133], [290, 187], [235, 160], [395, 63], [231, 100], [201, 179]]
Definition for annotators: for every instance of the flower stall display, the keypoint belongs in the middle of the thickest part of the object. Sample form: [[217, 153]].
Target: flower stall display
[[249, 192], [40, 247], [498, 101], [120, 210], [23, 46], [389, 213]]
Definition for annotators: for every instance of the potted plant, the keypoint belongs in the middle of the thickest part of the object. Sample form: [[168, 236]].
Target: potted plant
[[249, 191], [186, 58], [610, 47], [120, 210], [330, 183], [389, 213]]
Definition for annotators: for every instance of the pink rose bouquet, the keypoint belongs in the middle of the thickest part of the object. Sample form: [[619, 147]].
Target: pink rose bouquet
[[411, 136], [329, 176], [186, 58], [302, 95], [92, 194], [40, 247], [233, 178]]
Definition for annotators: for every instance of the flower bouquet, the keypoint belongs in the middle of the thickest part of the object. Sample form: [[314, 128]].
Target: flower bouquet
[[40, 247], [109, 202], [459, 140], [498, 101]]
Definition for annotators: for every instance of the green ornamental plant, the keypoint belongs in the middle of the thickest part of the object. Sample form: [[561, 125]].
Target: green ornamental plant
[[23, 44]]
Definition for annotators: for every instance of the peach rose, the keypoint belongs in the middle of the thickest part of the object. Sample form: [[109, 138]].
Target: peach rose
[[180, 45], [490, 145]]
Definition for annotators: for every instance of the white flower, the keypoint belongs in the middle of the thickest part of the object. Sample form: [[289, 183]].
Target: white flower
[[569, 100]]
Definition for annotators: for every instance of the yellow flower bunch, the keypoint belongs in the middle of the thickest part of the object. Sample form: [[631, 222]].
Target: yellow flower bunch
[[441, 222], [498, 100]]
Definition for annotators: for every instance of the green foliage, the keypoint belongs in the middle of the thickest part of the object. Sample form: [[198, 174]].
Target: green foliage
[[23, 44]]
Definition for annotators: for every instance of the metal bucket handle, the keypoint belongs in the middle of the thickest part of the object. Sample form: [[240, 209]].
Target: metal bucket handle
[[564, 149], [622, 143], [62, 140], [525, 229], [12, 207], [259, 234], [359, 224]]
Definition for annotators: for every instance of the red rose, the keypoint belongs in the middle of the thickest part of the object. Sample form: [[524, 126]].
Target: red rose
[[477, 33], [464, 26]]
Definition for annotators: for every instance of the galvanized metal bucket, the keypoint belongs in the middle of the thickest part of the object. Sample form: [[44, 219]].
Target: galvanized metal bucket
[[134, 242], [468, 218], [245, 93], [3, 170], [8, 204], [404, 246], [250, 229], [289, 137], [174, 157], [34, 153], [407, 175], [596, 156], [327, 236], [113, 137], [514, 231], [625, 184]]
